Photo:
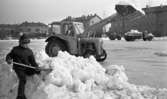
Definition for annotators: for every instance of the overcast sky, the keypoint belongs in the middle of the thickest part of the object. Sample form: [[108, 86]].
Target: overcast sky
[[46, 11]]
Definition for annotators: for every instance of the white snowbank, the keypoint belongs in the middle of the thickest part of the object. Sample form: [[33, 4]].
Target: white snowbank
[[105, 38], [160, 38], [79, 78]]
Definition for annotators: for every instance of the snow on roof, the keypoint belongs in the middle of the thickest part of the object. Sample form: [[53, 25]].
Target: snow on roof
[[127, 3]]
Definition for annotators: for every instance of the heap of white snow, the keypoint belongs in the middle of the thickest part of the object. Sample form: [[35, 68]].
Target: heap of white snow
[[79, 78]]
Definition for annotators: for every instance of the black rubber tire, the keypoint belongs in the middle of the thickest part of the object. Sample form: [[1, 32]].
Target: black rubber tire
[[88, 53], [118, 37], [129, 39], [53, 47], [148, 39], [112, 38], [103, 57]]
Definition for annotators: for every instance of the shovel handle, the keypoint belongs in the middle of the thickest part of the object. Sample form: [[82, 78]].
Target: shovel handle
[[24, 65], [36, 68]]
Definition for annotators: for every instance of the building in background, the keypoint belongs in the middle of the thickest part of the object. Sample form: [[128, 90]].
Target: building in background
[[32, 27], [154, 21], [7, 30], [158, 19], [88, 20]]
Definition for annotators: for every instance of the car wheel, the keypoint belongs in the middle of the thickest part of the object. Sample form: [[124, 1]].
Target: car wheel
[[119, 38]]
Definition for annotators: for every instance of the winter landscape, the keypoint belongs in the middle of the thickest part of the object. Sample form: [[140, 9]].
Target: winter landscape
[[133, 70], [94, 49]]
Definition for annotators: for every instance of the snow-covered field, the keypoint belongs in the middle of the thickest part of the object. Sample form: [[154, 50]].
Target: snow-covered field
[[144, 64]]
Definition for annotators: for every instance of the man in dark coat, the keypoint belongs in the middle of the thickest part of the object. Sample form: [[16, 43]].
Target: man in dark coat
[[23, 55]]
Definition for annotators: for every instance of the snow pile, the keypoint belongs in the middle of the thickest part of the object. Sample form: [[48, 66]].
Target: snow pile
[[105, 38], [79, 78]]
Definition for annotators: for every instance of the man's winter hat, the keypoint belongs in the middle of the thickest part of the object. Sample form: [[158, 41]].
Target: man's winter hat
[[24, 39]]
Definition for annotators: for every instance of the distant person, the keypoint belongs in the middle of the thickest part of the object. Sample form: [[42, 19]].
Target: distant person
[[22, 54]]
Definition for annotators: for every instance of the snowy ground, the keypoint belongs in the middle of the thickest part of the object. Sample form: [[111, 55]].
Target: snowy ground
[[145, 62]]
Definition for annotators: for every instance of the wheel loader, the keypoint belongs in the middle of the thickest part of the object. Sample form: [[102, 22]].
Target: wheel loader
[[70, 37]]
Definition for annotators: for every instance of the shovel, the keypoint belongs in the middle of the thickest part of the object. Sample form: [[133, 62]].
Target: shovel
[[36, 68]]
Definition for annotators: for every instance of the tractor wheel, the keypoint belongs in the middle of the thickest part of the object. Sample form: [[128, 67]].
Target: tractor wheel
[[88, 53], [102, 57], [53, 47]]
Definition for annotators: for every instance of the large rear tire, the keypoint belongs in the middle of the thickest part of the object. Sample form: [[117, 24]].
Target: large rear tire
[[53, 47]]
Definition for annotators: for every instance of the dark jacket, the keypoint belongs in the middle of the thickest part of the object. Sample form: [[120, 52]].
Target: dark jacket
[[23, 56]]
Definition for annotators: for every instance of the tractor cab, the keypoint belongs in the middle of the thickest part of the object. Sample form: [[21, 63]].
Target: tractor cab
[[68, 28], [69, 36]]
